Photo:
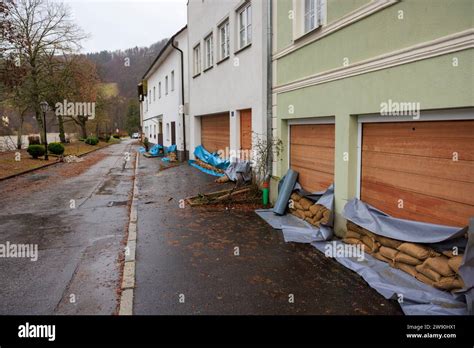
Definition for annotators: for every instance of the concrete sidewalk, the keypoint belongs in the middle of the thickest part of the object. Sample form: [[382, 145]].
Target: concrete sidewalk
[[186, 262]]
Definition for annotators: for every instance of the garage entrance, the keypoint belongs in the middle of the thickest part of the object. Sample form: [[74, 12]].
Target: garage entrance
[[422, 171], [312, 155]]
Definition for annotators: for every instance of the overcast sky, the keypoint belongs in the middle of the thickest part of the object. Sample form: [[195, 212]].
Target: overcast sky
[[121, 24]]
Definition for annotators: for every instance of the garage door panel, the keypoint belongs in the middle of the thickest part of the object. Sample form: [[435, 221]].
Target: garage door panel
[[311, 157], [413, 161], [313, 135], [436, 167], [416, 206], [427, 147], [437, 129], [215, 132], [313, 180], [455, 191]]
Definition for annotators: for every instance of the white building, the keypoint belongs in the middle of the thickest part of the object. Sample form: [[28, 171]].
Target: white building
[[164, 86], [228, 73]]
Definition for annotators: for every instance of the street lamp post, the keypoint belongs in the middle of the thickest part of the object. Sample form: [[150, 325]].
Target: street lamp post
[[45, 107]]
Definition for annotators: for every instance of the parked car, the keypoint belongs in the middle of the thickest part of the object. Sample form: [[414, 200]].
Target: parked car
[[135, 135]]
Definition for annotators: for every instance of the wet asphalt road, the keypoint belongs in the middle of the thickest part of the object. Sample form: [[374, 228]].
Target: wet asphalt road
[[186, 262], [78, 248]]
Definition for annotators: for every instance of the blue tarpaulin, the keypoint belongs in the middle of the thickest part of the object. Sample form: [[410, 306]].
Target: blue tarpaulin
[[212, 159]]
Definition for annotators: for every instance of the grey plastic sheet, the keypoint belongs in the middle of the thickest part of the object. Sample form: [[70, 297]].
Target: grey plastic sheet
[[415, 297], [239, 171], [297, 230], [437, 236]]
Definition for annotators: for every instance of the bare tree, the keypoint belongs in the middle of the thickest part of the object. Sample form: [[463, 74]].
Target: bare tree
[[42, 29]]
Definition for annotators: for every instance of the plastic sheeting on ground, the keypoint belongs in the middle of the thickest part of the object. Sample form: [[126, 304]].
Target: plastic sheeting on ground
[[415, 297], [239, 170], [297, 230], [437, 237], [212, 159], [204, 170]]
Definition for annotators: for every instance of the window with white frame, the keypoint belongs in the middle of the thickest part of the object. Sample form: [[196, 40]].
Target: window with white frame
[[197, 59], [159, 90], [149, 96], [224, 40], [209, 52], [245, 25], [172, 81], [313, 14], [154, 93], [166, 85]]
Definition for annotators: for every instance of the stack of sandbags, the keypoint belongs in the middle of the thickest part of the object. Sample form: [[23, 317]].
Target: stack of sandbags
[[307, 210], [420, 261]]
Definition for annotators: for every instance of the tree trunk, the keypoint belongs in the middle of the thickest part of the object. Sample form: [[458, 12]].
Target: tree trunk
[[62, 136], [83, 130], [20, 133]]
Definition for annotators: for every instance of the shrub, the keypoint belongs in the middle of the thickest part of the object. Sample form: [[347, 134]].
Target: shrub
[[107, 138], [33, 140], [91, 141], [56, 148], [36, 150], [116, 136]]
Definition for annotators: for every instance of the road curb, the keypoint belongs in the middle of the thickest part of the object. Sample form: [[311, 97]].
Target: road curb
[[128, 280]]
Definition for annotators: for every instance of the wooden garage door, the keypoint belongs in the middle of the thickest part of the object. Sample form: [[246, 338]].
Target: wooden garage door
[[312, 155], [215, 133], [413, 162]]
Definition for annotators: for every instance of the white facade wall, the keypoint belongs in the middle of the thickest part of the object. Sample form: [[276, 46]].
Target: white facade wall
[[239, 82], [168, 108]]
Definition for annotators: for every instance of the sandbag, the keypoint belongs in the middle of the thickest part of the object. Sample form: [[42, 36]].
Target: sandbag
[[319, 214], [297, 205], [353, 227], [440, 265], [407, 259], [326, 216], [448, 253], [422, 278], [388, 242], [428, 272], [455, 262], [307, 213], [352, 234], [372, 245], [295, 197], [415, 250], [352, 241], [314, 209], [299, 213], [449, 283], [305, 203], [389, 253], [411, 270], [380, 257]]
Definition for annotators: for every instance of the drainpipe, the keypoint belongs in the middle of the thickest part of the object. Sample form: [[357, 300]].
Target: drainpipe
[[269, 84], [182, 96]]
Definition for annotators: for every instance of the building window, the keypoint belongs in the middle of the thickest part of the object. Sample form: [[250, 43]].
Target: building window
[[166, 85], [209, 51], [159, 90], [154, 93], [313, 12], [149, 96], [245, 26], [224, 39], [154, 131], [172, 81], [197, 59]]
